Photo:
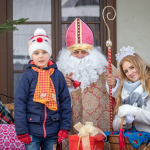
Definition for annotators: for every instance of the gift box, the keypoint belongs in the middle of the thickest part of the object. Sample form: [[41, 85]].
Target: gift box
[[96, 142], [5, 116], [8, 138], [88, 138]]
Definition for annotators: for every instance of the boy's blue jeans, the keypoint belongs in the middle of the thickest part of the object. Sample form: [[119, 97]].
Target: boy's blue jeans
[[45, 143]]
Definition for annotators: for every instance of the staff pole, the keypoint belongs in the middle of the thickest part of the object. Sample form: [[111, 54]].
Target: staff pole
[[109, 45]]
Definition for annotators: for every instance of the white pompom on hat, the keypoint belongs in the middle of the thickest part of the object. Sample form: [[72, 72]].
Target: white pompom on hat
[[39, 41], [39, 31]]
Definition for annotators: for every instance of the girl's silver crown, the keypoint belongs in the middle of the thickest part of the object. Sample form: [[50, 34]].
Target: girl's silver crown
[[124, 52]]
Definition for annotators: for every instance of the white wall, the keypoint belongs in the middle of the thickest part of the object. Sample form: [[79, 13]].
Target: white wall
[[133, 26]]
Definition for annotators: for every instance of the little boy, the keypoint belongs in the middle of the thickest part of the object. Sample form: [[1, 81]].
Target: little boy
[[42, 101]]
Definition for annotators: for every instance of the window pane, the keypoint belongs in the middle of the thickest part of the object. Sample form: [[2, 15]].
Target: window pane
[[35, 10], [16, 79], [88, 10], [94, 28], [20, 44]]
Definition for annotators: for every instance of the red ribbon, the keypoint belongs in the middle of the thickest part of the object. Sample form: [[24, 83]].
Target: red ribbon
[[122, 145]]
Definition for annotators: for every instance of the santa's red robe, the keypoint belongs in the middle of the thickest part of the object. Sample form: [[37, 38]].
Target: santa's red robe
[[92, 105]]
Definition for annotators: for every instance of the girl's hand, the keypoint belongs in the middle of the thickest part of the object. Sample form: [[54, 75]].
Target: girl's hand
[[126, 109]]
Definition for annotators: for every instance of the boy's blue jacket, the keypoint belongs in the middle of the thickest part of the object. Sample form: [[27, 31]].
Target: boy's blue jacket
[[35, 118]]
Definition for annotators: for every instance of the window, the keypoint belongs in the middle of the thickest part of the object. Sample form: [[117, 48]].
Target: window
[[53, 16]]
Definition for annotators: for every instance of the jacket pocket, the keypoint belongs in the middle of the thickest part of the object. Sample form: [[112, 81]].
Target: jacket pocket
[[33, 118], [55, 117]]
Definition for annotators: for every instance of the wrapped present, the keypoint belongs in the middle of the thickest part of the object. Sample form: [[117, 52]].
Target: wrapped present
[[8, 138], [88, 138], [5, 115]]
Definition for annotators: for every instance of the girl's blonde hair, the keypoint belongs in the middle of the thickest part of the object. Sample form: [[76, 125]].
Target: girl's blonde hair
[[144, 73]]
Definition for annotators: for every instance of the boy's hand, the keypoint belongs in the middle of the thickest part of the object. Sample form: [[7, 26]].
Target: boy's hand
[[25, 138], [62, 135], [68, 79], [111, 80]]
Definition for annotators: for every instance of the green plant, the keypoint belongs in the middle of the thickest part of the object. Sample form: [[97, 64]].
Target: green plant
[[8, 26]]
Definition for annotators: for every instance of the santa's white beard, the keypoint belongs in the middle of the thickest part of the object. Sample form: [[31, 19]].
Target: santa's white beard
[[85, 70]]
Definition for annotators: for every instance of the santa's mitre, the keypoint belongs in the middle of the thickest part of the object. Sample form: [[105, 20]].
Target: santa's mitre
[[79, 36]]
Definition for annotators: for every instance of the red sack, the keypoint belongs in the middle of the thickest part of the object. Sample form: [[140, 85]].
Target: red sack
[[96, 142]]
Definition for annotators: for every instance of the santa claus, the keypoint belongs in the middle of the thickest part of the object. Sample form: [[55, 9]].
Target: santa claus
[[85, 63]]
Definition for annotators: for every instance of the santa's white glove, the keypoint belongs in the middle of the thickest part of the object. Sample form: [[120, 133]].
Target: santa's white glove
[[126, 110]]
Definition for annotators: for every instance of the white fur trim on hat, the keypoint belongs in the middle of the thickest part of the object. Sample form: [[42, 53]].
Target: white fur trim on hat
[[40, 46], [39, 41]]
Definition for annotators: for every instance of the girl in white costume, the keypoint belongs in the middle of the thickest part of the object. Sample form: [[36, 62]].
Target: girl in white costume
[[133, 95]]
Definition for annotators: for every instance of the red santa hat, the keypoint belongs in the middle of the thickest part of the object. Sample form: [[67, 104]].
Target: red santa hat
[[39, 41], [79, 36]]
